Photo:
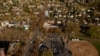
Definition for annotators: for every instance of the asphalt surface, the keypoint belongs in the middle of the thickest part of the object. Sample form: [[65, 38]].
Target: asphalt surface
[[57, 45], [31, 43], [54, 41]]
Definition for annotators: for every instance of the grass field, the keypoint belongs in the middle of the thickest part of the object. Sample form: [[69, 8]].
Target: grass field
[[97, 45]]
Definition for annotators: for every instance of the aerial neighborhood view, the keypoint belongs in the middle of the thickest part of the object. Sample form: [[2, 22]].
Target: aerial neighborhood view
[[49, 27]]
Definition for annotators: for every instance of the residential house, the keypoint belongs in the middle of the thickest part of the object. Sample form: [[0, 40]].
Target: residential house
[[12, 24], [51, 24], [46, 13], [26, 27], [4, 23]]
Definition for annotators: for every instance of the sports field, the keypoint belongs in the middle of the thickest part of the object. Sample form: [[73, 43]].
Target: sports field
[[82, 48]]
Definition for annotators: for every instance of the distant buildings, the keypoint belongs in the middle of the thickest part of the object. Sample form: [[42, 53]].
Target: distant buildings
[[83, 1], [87, 2], [48, 25], [15, 24]]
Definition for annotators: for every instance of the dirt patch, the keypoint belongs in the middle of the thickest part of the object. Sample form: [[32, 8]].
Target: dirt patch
[[82, 48], [10, 34]]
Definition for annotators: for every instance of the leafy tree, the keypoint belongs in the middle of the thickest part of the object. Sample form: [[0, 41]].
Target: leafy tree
[[94, 31], [72, 28], [34, 50], [54, 30], [10, 9], [47, 53], [26, 9]]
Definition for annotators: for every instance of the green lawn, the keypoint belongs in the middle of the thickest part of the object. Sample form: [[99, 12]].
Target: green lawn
[[97, 45]]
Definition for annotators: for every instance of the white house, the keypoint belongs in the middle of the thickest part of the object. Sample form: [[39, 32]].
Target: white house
[[46, 13], [26, 27], [48, 25], [4, 23], [11, 25]]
